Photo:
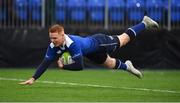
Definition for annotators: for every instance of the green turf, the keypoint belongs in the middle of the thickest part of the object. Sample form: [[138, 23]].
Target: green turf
[[153, 80]]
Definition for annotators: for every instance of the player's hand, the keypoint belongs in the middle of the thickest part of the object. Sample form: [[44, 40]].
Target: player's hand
[[28, 82], [60, 63]]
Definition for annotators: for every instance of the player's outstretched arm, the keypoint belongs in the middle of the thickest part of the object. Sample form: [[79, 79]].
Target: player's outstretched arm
[[28, 82], [40, 70]]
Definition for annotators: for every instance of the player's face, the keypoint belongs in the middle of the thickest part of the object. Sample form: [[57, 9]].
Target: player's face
[[57, 38]]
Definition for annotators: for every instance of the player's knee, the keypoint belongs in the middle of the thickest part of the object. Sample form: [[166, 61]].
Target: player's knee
[[123, 39], [109, 63]]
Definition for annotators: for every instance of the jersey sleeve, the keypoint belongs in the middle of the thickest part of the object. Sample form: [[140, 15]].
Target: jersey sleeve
[[48, 59], [50, 53], [77, 57], [42, 68]]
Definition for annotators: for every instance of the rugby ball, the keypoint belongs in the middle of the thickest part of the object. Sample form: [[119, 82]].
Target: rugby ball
[[66, 58]]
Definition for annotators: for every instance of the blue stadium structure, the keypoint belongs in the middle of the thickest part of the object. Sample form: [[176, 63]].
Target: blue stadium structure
[[2, 14], [96, 10], [155, 9], [116, 10], [91, 11], [35, 9], [60, 10], [21, 7], [77, 10], [135, 9], [175, 11]]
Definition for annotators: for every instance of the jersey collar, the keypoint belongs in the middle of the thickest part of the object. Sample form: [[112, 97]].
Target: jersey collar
[[68, 41]]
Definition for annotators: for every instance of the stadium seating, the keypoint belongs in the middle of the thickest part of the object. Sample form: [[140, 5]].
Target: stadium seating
[[77, 10], [35, 9], [165, 2], [135, 9], [60, 11], [2, 11], [21, 8], [155, 9], [96, 10], [116, 10], [2, 14], [175, 10]]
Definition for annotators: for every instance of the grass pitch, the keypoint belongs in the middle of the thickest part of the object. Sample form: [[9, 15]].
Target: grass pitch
[[90, 86]]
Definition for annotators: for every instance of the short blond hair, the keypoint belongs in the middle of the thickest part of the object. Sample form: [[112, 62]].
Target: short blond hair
[[56, 28]]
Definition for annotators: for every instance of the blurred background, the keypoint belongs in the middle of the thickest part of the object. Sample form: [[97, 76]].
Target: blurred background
[[24, 28]]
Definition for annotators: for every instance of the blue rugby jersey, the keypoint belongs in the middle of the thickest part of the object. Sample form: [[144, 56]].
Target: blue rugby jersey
[[77, 47]]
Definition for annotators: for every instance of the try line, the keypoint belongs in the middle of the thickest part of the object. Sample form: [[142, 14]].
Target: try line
[[94, 85]]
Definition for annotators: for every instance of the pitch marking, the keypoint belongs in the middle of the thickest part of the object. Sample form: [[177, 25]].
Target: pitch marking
[[94, 85]]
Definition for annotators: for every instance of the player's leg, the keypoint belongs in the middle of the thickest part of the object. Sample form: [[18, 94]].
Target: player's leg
[[113, 63], [132, 32]]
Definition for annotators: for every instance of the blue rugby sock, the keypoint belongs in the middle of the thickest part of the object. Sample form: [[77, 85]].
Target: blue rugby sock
[[120, 65], [135, 30]]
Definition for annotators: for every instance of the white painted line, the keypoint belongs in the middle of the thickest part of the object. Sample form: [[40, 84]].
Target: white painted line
[[94, 85]]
